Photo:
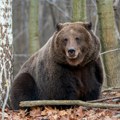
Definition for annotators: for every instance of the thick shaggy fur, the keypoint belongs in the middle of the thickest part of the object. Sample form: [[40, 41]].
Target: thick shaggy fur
[[54, 74]]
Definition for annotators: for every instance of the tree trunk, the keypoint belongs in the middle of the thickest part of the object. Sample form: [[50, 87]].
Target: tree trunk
[[20, 19], [108, 40], [33, 27], [6, 56], [79, 10]]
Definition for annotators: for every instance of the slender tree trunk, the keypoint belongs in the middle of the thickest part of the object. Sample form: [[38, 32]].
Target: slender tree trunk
[[108, 40], [79, 10], [6, 56], [33, 26], [20, 19]]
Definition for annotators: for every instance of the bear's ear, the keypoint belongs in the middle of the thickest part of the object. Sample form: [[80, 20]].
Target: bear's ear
[[88, 25], [59, 26]]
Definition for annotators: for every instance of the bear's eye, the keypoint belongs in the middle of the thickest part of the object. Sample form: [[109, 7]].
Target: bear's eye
[[65, 39], [77, 39]]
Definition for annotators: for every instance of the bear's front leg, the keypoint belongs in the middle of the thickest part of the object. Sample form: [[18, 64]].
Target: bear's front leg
[[92, 95], [24, 88], [72, 91]]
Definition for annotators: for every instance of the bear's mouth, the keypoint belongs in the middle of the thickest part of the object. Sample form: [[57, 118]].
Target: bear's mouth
[[76, 60], [72, 56]]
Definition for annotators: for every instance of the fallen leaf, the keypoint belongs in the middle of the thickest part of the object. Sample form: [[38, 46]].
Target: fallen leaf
[[35, 112]]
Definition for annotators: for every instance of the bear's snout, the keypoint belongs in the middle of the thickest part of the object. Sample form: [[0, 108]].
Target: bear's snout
[[72, 53]]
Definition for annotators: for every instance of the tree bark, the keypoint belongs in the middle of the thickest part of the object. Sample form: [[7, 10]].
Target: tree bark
[[34, 43], [79, 10], [109, 41], [6, 53]]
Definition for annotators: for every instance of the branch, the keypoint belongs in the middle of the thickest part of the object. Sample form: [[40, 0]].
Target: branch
[[21, 55], [117, 49], [59, 9], [96, 21], [67, 102], [111, 89], [104, 99], [52, 15], [6, 99], [115, 4], [117, 31], [20, 34]]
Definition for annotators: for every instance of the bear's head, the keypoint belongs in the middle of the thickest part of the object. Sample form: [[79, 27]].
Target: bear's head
[[75, 44]]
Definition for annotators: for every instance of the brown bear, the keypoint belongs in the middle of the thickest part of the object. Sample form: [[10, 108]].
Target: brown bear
[[67, 67]]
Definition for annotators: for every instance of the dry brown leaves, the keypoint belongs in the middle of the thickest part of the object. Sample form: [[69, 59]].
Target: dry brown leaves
[[76, 113]]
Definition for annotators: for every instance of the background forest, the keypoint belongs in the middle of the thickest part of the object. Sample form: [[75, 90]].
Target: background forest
[[34, 22], [26, 25]]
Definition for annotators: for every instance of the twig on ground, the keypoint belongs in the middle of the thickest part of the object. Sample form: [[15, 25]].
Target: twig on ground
[[67, 102], [110, 89], [104, 99]]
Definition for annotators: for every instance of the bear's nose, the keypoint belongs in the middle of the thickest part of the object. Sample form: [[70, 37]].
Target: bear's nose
[[71, 52]]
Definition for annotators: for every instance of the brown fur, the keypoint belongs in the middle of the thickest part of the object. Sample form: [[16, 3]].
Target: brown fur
[[68, 67]]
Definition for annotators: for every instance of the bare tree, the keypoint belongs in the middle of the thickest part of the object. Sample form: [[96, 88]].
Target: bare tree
[[79, 10], [20, 17], [33, 26], [6, 55], [109, 41]]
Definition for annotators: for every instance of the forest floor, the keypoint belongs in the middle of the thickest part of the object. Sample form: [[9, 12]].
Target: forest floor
[[74, 113]]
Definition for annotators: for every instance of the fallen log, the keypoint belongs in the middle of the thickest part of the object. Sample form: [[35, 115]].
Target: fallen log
[[67, 102]]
